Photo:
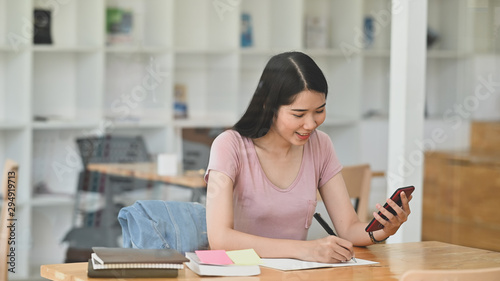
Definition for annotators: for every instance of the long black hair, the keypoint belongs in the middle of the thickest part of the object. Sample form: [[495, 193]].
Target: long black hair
[[284, 76]]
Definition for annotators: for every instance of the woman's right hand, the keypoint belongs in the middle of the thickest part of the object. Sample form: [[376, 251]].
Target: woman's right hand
[[330, 249]]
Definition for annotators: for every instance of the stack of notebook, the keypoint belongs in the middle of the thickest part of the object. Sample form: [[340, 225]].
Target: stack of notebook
[[134, 263], [221, 263]]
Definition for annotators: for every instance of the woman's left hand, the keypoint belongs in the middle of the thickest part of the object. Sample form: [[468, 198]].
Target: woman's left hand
[[394, 221]]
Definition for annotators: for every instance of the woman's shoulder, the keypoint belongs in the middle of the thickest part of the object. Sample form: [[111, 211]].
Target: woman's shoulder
[[229, 136]]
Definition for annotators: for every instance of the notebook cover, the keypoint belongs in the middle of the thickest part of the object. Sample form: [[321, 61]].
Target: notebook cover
[[130, 273], [131, 255]]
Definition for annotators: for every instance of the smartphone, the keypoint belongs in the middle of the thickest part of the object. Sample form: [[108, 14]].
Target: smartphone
[[374, 224]]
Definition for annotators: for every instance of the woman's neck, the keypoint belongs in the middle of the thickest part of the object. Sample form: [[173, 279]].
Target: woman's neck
[[275, 145]]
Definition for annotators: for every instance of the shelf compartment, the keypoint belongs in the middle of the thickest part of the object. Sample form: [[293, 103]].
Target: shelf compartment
[[346, 21], [211, 84], [275, 24], [252, 66], [14, 87], [205, 25], [344, 98], [376, 87], [56, 161], [453, 31], [15, 25], [74, 23], [67, 86], [343, 24], [380, 13], [485, 25], [152, 22], [138, 87], [442, 97]]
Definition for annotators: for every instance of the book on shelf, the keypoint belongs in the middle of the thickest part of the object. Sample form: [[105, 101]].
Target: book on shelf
[[246, 30], [119, 26], [369, 31], [218, 266], [121, 258], [180, 101], [316, 32]]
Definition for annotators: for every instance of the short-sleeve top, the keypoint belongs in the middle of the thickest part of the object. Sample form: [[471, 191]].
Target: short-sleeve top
[[260, 207]]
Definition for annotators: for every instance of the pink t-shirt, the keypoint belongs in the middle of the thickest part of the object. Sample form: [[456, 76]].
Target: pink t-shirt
[[260, 207]]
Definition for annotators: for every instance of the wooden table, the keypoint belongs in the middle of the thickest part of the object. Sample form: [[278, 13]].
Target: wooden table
[[394, 260], [148, 171]]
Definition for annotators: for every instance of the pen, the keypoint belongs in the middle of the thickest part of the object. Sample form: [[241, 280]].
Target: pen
[[328, 229]]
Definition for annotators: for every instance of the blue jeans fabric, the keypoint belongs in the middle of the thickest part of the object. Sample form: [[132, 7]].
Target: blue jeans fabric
[[157, 224]]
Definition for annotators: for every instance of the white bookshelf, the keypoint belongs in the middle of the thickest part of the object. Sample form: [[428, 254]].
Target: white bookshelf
[[86, 87]]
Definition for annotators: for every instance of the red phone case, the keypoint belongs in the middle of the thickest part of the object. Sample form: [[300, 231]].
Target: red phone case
[[374, 224]]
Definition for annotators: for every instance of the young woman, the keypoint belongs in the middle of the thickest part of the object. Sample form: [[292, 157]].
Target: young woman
[[264, 173]]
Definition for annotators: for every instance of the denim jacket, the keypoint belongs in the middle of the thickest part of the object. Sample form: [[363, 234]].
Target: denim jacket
[[156, 224]]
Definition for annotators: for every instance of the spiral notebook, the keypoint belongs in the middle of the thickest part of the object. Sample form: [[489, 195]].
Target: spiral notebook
[[130, 272], [116, 258]]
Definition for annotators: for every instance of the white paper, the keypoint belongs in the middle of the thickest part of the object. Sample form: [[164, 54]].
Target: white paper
[[294, 264]]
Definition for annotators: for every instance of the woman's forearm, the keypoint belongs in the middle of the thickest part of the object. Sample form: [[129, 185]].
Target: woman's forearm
[[359, 237]]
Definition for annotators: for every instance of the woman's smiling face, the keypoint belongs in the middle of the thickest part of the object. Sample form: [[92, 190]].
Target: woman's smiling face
[[295, 122]]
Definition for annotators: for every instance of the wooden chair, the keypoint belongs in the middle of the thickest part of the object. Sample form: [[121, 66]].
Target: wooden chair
[[483, 274], [358, 181], [10, 166]]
